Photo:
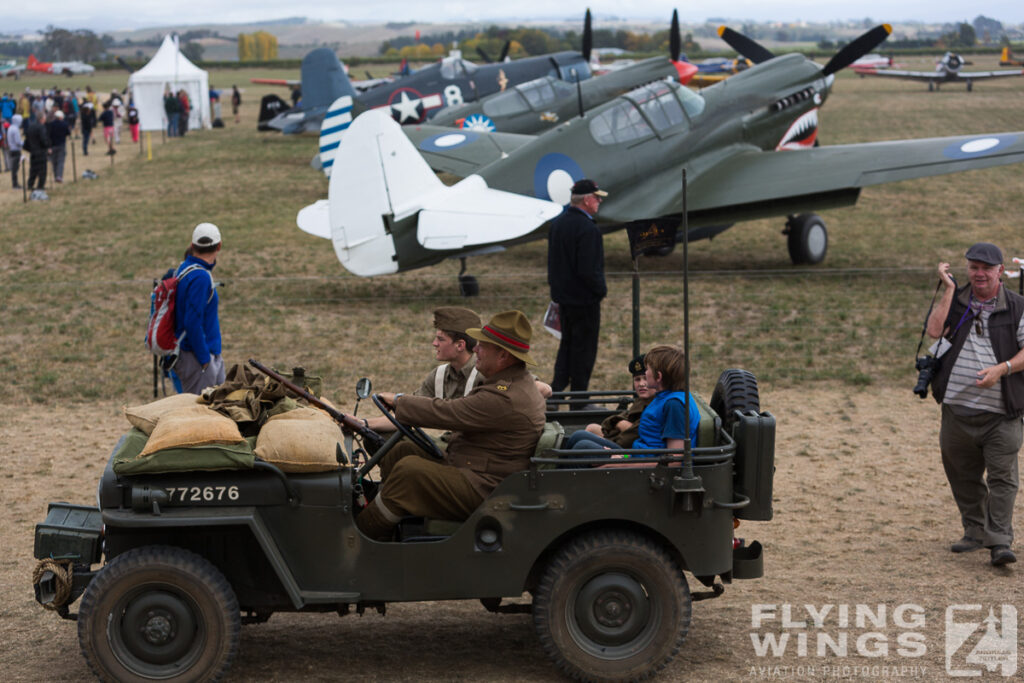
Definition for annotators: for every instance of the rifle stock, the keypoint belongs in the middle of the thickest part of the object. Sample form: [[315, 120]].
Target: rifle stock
[[347, 422]]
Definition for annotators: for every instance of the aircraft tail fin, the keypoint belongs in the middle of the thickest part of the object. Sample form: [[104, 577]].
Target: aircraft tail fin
[[323, 79], [381, 190], [336, 121], [32, 61]]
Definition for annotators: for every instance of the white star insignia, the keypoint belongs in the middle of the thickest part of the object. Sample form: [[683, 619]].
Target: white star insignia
[[407, 108]]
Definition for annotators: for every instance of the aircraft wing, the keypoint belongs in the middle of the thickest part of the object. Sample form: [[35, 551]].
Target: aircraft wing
[[462, 152], [757, 184], [275, 81], [938, 75]]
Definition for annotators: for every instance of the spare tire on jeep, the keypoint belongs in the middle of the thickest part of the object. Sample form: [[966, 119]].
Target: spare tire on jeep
[[736, 390]]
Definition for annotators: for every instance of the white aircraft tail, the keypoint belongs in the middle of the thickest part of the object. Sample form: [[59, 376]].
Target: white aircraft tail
[[378, 174]]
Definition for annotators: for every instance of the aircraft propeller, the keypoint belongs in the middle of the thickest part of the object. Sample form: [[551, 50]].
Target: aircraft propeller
[[860, 46], [850, 53], [487, 58], [588, 37], [747, 47], [674, 42]]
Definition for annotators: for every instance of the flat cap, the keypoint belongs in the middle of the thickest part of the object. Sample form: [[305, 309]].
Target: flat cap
[[986, 252]]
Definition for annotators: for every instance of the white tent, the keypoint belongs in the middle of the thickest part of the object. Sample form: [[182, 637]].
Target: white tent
[[170, 69]]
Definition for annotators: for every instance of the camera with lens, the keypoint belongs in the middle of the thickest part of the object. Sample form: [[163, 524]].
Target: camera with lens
[[926, 367]]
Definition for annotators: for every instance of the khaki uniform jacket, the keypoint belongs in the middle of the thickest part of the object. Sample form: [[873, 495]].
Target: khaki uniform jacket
[[630, 414], [496, 427], [454, 381]]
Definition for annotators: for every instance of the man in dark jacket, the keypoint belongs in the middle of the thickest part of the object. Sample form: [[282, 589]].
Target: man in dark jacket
[[37, 142], [576, 278], [980, 328], [88, 123]]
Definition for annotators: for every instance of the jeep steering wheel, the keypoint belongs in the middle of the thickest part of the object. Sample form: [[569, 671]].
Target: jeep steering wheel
[[414, 434]]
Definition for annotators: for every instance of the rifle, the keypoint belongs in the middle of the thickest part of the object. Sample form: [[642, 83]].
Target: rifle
[[347, 422]]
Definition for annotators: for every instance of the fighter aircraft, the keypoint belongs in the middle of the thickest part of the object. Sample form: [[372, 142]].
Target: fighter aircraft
[[423, 92], [537, 105], [323, 81], [717, 69], [947, 70], [747, 145], [11, 68], [1008, 59], [67, 68]]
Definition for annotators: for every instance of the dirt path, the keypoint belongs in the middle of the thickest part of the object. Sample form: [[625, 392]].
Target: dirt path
[[862, 517]]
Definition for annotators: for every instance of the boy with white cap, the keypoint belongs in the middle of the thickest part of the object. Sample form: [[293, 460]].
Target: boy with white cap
[[195, 313]]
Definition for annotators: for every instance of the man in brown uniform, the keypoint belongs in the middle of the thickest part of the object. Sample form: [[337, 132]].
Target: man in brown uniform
[[496, 428]]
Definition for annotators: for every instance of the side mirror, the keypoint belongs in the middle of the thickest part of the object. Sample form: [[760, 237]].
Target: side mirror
[[363, 388]]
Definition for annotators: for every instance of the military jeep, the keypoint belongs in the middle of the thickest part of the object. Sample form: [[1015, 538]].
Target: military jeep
[[170, 566]]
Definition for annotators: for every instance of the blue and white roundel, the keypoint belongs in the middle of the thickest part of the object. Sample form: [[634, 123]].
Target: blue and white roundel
[[553, 177], [478, 122], [981, 146], [446, 141]]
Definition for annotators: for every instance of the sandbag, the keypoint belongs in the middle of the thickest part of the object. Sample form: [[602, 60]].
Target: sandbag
[[129, 461], [301, 440], [195, 425], [144, 417]]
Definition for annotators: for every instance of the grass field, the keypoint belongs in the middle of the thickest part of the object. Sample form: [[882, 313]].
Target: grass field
[[76, 281]]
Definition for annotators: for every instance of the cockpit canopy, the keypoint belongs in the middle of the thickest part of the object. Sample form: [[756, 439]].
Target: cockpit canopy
[[655, 108], [456, 67], [538, 94]]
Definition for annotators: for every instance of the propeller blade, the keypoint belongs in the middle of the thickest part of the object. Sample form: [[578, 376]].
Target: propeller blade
[[483, 55], [857, 49], [504, 51], [747, 47], [674, 41], [588, 37]]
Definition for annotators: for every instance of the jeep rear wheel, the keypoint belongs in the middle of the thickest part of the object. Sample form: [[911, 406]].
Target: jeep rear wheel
[[611, 606], [159, 613]]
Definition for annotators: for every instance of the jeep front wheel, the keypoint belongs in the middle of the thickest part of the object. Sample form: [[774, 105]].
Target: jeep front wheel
[[611, 606], [159, 613]]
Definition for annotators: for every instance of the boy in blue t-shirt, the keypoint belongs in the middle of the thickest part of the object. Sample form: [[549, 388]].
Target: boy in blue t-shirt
[[663, 422]]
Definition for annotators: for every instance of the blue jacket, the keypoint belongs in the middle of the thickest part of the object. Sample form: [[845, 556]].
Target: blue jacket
[[575, 259], [195, 311]]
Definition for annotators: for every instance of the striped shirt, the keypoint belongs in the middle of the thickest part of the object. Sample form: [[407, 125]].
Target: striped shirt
[[976, 355]]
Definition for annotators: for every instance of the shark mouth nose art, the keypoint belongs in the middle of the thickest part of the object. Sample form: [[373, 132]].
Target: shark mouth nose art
[[802, 133]]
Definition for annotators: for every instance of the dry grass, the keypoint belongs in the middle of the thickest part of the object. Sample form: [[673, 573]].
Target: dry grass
[[79, 267]]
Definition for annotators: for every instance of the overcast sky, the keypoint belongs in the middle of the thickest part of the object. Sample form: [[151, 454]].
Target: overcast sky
[[108, 15]]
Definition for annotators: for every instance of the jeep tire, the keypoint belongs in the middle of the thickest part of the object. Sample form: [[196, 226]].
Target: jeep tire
[[736, 389], [159, 613], [611, 606]]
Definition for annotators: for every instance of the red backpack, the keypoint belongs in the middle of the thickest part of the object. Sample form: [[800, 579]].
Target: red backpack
[[160, 338]]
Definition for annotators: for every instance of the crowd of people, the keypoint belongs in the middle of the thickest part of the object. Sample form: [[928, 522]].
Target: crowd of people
[[178, 109], [42, 124]]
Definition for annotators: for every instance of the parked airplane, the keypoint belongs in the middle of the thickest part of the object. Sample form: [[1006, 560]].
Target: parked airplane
[[67, 68], [1008, 59], [537, 105], [423, 92], [873, 60], [747, 145], [11, 68], [717, 69], [947, 70]]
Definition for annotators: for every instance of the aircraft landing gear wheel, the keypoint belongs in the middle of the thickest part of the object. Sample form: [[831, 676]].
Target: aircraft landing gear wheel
[[807, 239], [970, 86], [611, 606], [468, 286], [159, 612], [931, 86]]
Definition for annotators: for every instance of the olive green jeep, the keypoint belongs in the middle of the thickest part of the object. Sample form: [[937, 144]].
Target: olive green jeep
[[170, 566]]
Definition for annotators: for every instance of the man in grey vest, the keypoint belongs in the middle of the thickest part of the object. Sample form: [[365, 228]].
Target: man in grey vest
[[980, 328]]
